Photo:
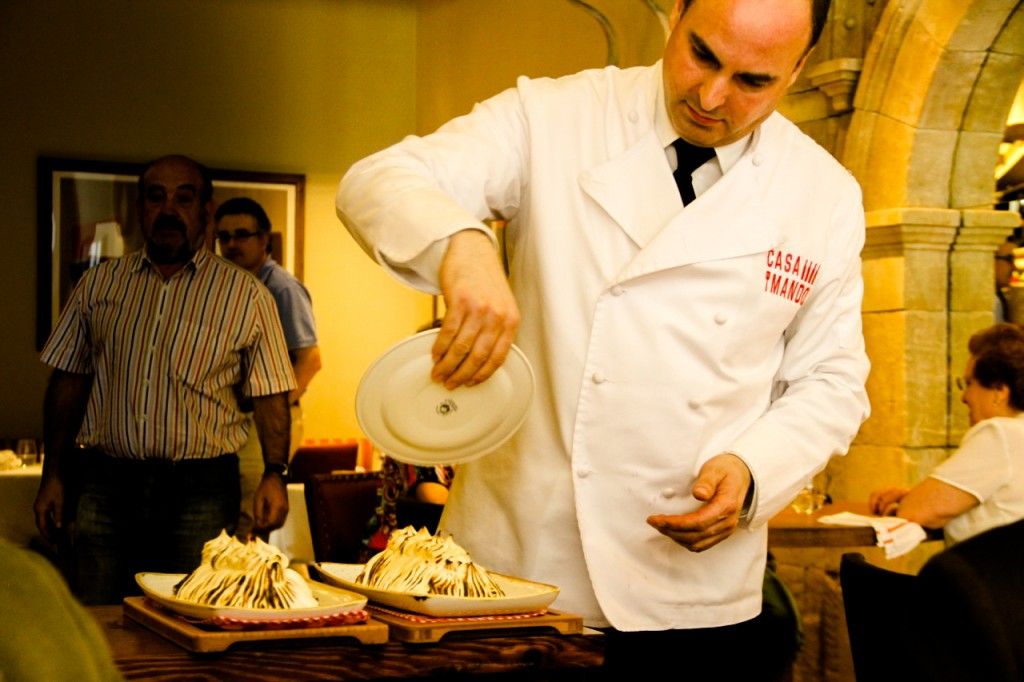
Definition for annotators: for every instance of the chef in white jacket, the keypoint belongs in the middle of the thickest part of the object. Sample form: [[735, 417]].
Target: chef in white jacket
[[695, 364]]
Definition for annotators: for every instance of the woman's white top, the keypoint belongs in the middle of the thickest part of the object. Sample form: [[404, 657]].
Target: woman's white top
[[990, 466]]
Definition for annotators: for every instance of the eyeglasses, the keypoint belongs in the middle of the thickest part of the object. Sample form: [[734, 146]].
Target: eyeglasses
[[238, 235], [1005, 257], [963, 382]]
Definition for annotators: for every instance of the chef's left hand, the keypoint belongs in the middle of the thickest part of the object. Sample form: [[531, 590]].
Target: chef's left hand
[[722, 485], [270, 503]]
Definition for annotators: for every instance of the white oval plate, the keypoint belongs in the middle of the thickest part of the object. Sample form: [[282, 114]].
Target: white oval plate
[[160, 588], [418, 421], [521, 596]]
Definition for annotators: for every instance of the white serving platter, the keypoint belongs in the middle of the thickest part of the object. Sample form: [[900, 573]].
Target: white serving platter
[[521, 596], [332, 601], [416, 420]]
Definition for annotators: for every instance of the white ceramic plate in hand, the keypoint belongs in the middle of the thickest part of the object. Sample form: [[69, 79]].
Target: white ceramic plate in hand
[[418, 421], [521, 596], [160, 588]]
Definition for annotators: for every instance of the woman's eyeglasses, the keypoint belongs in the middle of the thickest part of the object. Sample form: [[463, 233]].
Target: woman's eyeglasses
[[963, 382], [238, 235]]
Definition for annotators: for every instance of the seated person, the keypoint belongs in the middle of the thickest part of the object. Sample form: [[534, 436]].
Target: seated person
[[981, 486], [409, 495], [45, 633]]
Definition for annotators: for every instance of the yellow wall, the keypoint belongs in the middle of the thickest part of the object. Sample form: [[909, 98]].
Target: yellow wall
[[293, 86], [469, 50], [296, 86]]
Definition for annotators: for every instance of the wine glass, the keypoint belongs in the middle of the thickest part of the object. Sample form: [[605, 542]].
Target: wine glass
[[26, 451]]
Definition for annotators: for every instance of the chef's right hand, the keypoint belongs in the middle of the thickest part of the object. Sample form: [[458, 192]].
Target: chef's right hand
[[49, 507], [482, 316]]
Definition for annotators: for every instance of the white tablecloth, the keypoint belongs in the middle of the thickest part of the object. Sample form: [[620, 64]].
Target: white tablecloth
[[294, 538], [18, 488]]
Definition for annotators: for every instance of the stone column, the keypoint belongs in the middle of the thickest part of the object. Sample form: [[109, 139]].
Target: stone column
[[906, 296], [972, 294]]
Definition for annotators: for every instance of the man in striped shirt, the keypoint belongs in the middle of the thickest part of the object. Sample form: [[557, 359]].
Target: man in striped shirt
[[146, 359]]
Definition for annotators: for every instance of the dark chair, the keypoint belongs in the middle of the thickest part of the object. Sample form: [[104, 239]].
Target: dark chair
[[323, 459], [340, 506], [418, 514], [967, 609], [875, 600]]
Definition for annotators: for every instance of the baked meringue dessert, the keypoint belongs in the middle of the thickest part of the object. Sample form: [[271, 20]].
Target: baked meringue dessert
[[250, 575], [416, 562]]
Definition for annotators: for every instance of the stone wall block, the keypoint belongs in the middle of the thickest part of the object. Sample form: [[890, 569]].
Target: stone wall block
[[855, 153], [926, 378], [896, 231], [973, 181], [973, 285], [883, 49], [980, 25], [929, 167], [883, 176], [866, 468], [993, 93], [1003, 221], [1011, 39], [884, 342], [927, 280], [944, 107], [915, 67], [883, 284], [940, 18]]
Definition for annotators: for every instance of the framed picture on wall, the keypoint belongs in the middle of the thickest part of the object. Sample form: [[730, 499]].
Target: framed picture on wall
[[88, 213]]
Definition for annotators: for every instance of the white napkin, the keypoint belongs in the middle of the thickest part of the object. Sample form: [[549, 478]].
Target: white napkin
[[895, 535], [9, 460]]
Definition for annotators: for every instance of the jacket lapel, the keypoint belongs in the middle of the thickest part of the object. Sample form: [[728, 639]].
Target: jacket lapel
[[635, 189], [726, 221]]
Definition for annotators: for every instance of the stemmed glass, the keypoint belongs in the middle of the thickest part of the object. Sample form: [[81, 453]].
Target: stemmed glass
[[26, 451]]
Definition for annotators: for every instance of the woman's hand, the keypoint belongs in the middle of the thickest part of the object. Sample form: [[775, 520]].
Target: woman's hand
[[886, 502]]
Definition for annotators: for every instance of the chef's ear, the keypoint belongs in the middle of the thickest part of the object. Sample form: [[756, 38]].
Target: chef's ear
[[675, 15], [797, 69]]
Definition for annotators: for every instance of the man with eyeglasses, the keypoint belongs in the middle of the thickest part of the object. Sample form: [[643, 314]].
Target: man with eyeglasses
[[243, 232], [142, 423]]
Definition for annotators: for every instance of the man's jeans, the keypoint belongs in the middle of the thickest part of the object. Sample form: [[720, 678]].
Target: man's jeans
[[147, 515]]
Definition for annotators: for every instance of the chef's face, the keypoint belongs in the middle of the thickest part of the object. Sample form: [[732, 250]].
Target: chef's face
[[173, 214], [729, 62]]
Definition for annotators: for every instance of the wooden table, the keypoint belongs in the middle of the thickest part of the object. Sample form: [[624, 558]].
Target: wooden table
[[791, 529], [141, 654]]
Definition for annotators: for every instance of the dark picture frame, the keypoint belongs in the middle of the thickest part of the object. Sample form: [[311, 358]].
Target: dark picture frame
[[87, 212]]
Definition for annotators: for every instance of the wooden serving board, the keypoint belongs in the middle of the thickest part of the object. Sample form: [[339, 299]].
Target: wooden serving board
[[416, 628], [195, 638]]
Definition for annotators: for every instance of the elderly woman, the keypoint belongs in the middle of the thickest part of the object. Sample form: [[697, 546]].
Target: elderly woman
[[982, 485]]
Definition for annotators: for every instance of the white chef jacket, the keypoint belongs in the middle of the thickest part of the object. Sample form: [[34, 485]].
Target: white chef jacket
[[660, 336]]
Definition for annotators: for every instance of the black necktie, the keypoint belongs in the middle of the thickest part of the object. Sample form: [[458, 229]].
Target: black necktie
[[690, 158]]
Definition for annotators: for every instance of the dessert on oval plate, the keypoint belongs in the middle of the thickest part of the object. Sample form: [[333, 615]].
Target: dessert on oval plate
[[417, 562], [250, 575]]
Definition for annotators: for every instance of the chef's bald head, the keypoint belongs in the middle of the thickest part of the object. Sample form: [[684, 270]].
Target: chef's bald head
[[819, 13]]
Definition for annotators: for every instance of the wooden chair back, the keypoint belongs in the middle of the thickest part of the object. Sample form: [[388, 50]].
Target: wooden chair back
[[340, 506]]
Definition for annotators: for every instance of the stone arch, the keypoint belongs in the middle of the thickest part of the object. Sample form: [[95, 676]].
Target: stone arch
[[937, 85]]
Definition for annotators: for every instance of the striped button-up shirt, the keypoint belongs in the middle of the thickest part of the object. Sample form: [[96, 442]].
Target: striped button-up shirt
[[167, 355]]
